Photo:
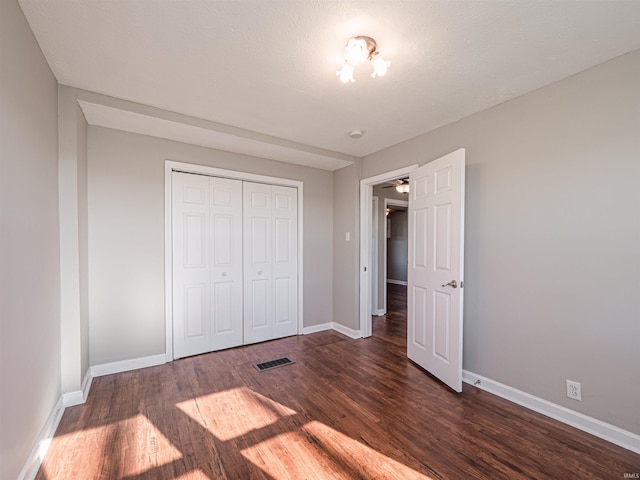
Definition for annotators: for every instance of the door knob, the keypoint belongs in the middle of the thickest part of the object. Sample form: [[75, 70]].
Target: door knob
[[259, 272], [452, 283], [224, 274]]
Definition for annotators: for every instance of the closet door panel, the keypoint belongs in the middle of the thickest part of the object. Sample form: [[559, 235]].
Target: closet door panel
[[226, 266], [235, 263], [285, 261], [258, 258], [191, 320]]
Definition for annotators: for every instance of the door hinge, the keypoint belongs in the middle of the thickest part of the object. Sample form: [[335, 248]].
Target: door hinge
[[365, 269], [462, 284]]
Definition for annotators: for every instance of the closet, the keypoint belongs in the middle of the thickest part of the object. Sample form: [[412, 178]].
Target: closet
[[234, 249]]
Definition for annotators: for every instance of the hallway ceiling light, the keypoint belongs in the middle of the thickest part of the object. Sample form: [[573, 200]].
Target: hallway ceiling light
[[400, 184], [358, 50], [402, 188]]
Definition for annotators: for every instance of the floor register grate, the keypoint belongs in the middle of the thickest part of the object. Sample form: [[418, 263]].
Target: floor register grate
[[278, 362]]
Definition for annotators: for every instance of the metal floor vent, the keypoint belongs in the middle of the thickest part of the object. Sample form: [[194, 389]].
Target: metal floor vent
[[278, 362]]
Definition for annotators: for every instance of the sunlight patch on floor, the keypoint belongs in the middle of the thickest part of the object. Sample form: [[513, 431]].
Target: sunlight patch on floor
[[193, 475], [151, 447], [235, 412], [319, 451], [117, 443], [291, 455]]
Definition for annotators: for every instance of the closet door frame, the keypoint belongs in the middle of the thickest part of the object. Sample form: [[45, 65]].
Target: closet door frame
[[169, 167]]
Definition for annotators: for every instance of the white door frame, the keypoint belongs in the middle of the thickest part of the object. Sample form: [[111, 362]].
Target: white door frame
[[366, 194], [374, 256], [169, 166], [397, 203]]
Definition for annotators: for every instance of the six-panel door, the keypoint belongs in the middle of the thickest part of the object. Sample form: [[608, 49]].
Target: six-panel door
[[435, 275], [270, 262], [207, 263], [234, 263]]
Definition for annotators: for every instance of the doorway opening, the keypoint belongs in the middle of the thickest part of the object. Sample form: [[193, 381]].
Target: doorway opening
[[389, 316], [367, 279], [435, 270]]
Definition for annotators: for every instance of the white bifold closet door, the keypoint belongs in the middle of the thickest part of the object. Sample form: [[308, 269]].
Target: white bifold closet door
[[235, 269], [270, 262], [207, 264]]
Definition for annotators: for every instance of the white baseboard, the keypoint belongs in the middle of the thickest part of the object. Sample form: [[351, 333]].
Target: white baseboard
[[41, 445], [127, 365], [78, 397], [397, 282], [349, 332], [591, 425], [71, 399], [332, 326], [317, 328], [377, 313]]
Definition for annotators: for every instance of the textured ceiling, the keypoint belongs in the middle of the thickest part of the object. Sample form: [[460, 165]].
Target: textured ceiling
[[268, 66]]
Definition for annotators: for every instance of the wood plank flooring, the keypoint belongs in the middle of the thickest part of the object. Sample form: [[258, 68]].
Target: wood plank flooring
[[347, 409]]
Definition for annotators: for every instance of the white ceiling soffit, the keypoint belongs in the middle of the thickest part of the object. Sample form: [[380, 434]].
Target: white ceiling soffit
[[128, 121], [269, 66]]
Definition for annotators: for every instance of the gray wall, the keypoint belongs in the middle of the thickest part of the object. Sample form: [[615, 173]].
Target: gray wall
[[73, 224], [552, 257], [29, 245], [345, 253], [126, 237], [83, 239], [398, 247]]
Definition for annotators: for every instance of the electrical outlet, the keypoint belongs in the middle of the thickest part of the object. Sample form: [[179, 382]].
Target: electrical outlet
[[574, 390]]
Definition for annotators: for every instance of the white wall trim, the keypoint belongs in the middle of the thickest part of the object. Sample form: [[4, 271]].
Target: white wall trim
[[381, 311], [41, 445], [366, 194], [78, 397], [71, 399], [349, 332], [396, 282], [317, 328], [170, 165], [374, 253], [128, 365], [598, 428]]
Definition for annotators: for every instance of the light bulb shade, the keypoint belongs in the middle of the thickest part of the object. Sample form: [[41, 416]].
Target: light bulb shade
[[402, 188], [346, 74], [380, 66], [356, 52]]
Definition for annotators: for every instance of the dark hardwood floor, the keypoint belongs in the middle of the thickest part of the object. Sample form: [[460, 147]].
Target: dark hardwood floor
[[346, 409]]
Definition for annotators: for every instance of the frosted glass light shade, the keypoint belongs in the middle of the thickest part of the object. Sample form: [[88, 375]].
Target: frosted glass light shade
[[380, 66], [346, 74], [356, 51]]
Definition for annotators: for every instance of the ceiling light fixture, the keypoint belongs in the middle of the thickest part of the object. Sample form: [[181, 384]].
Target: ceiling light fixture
[[402, 188], [358, 50]]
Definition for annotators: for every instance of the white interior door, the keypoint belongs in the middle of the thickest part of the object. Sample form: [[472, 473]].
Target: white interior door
[[258, 320], [226, 262], [270, 262], [435, 276], [207, 263], [285, 261]]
